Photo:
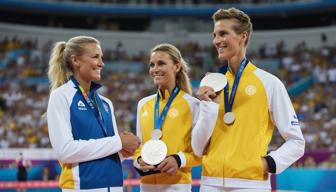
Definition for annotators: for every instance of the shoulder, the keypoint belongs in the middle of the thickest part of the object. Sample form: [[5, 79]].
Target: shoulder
[[145, 100], [66, 90], [267, 78]]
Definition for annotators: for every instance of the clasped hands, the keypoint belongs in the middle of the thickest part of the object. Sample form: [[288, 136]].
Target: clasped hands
[[129, 142]]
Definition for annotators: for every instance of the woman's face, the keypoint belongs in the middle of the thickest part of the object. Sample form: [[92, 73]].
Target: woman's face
[[163, 70], [88, 66], [227, 42]]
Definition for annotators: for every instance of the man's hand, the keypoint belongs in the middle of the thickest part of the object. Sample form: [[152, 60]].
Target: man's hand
[[205, 93]]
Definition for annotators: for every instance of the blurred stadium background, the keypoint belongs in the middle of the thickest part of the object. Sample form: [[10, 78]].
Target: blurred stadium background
[[293, 39]]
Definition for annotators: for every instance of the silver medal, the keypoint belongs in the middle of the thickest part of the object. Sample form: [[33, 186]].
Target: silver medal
[[154, 152], [216, 81], [229, 118], [156, 134]]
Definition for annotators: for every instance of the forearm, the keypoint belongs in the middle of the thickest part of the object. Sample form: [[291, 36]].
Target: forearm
[[204, 127]]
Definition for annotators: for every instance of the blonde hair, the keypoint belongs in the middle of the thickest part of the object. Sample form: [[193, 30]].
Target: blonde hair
[[243, 20], [60, 67], [182, 78]]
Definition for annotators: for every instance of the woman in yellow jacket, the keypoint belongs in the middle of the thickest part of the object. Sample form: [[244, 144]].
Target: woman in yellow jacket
[[171, 113]]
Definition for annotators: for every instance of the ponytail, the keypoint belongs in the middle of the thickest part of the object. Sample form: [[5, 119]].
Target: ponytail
[[58, 72], [182, 78], [60, 67]]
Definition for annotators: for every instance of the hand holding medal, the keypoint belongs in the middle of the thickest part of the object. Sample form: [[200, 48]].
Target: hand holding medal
[[210, 87], [216, 81], [154, 151]]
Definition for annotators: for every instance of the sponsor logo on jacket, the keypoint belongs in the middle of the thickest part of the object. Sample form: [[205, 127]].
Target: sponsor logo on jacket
[[81, 106]]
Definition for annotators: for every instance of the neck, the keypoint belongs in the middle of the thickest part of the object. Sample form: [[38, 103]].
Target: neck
[[83, 83], [170, 88], [235, 61]]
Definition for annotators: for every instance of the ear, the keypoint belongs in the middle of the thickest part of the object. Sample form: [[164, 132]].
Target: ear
[[177, 67], [244, 37], [74, 60]]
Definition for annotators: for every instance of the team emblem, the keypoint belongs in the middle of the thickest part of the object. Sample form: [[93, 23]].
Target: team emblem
[[250, 90], [173, 113]]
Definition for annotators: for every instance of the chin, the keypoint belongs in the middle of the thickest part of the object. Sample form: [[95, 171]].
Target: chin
[[96, 78], [222, 58], [158, 84]]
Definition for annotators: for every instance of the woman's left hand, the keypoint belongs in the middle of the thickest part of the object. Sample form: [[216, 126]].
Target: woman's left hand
[[168, 166]]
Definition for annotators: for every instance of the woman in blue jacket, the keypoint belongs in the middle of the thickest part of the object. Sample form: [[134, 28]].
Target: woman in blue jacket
[[81, 123]]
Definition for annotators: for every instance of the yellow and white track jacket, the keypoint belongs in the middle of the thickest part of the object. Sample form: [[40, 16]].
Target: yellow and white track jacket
[[184, 113], [232, 154]]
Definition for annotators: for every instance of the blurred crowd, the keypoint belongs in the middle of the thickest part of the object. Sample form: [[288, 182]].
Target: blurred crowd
[[24, 89]]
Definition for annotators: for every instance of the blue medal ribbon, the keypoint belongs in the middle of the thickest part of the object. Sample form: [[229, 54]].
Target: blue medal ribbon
[[158, 119], [229, 103], [94, 106]]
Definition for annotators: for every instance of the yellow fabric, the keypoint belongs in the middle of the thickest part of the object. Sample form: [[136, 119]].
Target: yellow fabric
[[230, 153], [66, 180], [176, 133]]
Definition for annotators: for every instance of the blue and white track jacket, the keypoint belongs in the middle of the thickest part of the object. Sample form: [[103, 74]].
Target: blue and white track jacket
[[87, 154]]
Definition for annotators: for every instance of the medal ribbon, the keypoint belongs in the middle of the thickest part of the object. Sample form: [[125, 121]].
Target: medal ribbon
[[229, 103], [158, 119]]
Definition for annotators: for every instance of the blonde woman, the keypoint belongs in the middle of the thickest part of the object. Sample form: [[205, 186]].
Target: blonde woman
[[81, 123], [168, 117]]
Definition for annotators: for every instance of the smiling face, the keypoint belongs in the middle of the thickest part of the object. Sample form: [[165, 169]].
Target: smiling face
[[163, 70], [88, 66], [227, 42]]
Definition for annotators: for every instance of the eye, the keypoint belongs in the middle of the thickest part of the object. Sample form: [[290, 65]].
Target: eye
[[161, 63], [222, 33], [151, 65]]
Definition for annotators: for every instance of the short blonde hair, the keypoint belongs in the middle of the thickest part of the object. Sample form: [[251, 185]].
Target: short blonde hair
[[243, 20]]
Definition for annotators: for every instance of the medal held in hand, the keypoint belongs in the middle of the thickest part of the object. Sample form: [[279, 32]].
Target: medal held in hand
[[154, 151], [217, 81]]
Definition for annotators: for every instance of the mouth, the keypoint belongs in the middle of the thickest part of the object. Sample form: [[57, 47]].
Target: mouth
[[221, 49], [157, 77], [98, 71]]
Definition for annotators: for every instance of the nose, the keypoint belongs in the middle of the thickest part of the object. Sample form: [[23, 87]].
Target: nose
[[154, 68], [101, 63], [216, 41]]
